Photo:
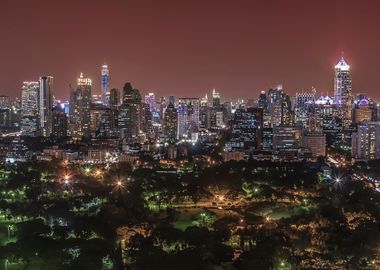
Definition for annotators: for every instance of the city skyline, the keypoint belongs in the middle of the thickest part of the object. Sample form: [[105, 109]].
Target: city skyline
[[297, 48]]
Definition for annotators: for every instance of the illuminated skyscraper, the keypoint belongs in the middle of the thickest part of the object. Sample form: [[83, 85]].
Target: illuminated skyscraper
[[105, 85], [188, 118], [46, 105], [80, 103], [366, 141], [215, 98], [343, 91], [151, 100], [30, 108]]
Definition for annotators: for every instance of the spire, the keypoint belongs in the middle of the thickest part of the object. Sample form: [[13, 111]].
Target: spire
[[342, 64]]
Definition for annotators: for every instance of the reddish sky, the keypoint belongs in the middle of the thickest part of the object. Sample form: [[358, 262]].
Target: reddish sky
[[187, 47]]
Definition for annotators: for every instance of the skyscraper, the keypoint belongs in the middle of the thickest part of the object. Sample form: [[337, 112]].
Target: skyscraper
[[246, 129], [80, 103], [343, 91], [114, 97], [188, 118], [59, 129], [105, 85], [170, 123], [46, 105], [366, 141], [129, 121], [30, 108], [150, 99]]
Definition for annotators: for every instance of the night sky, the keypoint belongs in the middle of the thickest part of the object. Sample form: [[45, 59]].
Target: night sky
[[186, 48]]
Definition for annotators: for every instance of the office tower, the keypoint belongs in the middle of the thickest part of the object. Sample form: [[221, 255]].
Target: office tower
[[170, 123], [303, 103], [105, 85], [150, 99], [263, 101], [162, 108], [205, 115], [363, 111], [366, 141], [80, 103], [171, 99], [129, 121], [30, 108], [102, 121], [188, 118], [287, 138], [316, 143], [46, 105], [267, 139], [114, 98], [343, 91], [204, 101], [215, 98], [59, 118], [147, 120], [4, 102], [246, 129]]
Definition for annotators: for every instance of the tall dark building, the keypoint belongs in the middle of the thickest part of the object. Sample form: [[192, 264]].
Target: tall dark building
[[246, 129], [46, 105], [129, 120], [59, 119], [80, 103], [102, 122], [171, 123], [114, 97]]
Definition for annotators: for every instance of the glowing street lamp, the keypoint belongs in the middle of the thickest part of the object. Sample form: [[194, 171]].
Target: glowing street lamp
[[98, 172]]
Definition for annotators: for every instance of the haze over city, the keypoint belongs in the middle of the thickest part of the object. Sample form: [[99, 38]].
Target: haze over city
[[192, 135], [177, 47]]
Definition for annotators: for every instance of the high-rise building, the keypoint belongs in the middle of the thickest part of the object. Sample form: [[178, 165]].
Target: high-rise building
[[129, 120], [80, 103], [4, 102], [170, 123], [363, 111], [103, 121], [105, 85], [114, 98], [287, 138], [30, 108], [46, 105], [246, 130], [303, 103], [316, 143], [150, 99], [366, 141], [59, 129], [215, 98], [188, 118], [343, 91], [147, 120]]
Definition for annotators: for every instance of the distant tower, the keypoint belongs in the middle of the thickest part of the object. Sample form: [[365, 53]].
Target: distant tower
[[80, 103], [114, 100], [105, 85], [129, 120], [343, 91], [30, 108], [46, 105], [342, 83], [170, 123]]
